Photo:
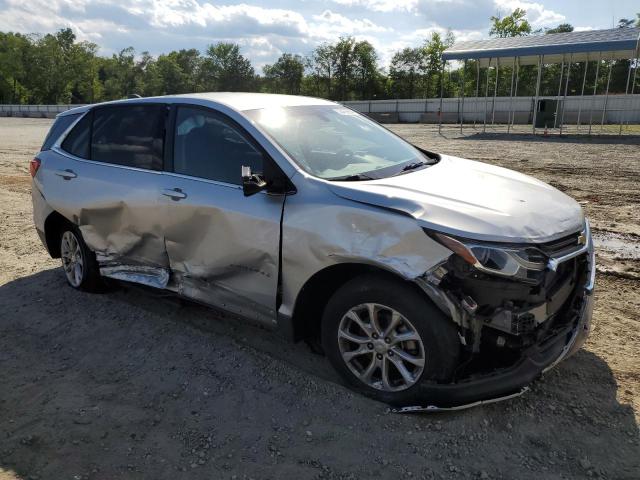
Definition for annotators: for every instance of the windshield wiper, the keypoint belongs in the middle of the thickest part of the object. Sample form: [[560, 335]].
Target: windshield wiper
[[352, 178], [412, 166]]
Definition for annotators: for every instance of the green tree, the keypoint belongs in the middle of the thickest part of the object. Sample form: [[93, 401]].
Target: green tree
[[190, 62], [625, 23], [14, 52], [404, 72], [562, 28], [365, 69], [321, 63], [432, 67], [513, 25], [225, 69], [120, 75], [285, 75]]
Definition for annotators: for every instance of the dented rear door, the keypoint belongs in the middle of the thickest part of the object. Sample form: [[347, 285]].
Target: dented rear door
[[109, 183], [223, 247]]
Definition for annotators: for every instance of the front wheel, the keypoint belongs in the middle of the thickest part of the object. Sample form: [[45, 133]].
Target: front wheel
[[385, 338], [78, 262]]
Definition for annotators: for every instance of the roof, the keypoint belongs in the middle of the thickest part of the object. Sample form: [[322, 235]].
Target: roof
[[615, 43], [240, 101], [251, 101]]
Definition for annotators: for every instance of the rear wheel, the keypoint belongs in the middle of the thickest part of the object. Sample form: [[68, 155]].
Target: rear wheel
[[78, 262], [385, 338]]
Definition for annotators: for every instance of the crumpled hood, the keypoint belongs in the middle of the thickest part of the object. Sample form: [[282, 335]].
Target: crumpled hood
[[473, 200]]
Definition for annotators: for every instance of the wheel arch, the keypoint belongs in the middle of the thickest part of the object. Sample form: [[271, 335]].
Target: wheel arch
[[53, 227], [318, 289]]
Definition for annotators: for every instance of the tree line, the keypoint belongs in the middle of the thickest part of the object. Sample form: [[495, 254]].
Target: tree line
[[57, 68]]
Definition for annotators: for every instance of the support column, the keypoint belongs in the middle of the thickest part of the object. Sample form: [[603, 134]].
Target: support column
[[486, 95], [626, 91], [515, 93], [555, 117], [584, 81], [535, 101], [606, 96], [477, 101], [595, 88], [464, 71], [495, 93], [566, 87], [441, 94], [513, 73]]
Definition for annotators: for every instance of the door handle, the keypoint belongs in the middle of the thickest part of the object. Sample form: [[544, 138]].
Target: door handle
[[66, 174], [174, 193]]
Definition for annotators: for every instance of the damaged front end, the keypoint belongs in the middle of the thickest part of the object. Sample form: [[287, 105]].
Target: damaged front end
[[520, 310]]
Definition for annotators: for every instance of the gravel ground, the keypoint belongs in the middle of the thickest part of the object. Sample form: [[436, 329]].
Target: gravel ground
[[133, 384]]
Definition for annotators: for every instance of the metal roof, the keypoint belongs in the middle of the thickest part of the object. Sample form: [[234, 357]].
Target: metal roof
[[615, 43]]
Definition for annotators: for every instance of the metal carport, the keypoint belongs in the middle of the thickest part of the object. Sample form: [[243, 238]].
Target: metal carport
[[601, 46]]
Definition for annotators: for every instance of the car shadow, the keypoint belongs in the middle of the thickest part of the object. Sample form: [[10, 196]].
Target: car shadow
[[135, 383]]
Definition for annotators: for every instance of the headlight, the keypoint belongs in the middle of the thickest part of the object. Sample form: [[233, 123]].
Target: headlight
[[496, 260]]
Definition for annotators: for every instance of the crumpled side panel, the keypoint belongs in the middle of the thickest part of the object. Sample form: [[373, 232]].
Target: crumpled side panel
[[117, 209], [223, 247], [150, 276], [320, 230], [124, 234]]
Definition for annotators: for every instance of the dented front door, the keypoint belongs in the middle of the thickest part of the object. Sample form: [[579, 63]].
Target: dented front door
[[223, 247]]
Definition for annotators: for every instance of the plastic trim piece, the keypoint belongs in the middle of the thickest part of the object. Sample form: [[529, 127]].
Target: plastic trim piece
[[433, 408]]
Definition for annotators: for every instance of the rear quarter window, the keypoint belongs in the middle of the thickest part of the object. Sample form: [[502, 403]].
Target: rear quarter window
[[78, 139], [58, 128]]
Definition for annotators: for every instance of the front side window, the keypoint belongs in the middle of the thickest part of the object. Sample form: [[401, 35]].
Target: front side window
[[129, 135], [207, 145], [333, 142]]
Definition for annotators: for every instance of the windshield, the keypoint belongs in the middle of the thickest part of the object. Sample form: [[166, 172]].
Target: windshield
[[336, 143]]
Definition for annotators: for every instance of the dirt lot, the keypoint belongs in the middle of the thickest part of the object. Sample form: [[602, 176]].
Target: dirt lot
[[131, 384]]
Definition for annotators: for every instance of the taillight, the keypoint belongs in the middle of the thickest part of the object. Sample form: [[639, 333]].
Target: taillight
[[34, 166]]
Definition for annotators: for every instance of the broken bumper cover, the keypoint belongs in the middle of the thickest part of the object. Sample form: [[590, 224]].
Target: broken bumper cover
[[511, 382]]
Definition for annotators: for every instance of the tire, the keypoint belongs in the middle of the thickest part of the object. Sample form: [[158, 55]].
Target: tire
[[79, 263], [418, 336]]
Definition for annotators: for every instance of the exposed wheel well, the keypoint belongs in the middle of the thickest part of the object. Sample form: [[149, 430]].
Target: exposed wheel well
[[315, 294], [53, 228]]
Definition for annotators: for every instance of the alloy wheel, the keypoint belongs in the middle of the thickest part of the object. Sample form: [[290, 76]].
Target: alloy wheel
[[381, 347], [72, 258]]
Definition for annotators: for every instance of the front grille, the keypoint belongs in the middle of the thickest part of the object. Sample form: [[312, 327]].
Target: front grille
[[562, 246]]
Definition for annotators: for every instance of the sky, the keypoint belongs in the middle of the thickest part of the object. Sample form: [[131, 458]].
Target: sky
[[266, 28]]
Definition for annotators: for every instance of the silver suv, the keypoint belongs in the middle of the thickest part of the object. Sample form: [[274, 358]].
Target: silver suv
[[427, 280]]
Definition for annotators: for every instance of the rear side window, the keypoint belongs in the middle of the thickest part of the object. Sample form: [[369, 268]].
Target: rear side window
[[77, 142], [58, 128], [131, 135], [208, 145]]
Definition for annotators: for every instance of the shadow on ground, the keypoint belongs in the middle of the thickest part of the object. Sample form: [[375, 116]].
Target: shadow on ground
[[565, 138], [131, 384]]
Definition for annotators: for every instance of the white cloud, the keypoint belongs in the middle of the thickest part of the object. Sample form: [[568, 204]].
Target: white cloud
[[263, 32], [329, 26], [422, 34], [180, 13], [381, 5], [537, 14]]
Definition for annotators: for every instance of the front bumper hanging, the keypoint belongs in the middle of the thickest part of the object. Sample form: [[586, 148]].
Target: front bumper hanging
[[513, 381]]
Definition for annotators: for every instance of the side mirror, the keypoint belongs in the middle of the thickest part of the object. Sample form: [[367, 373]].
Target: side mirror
[[251, 183]]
